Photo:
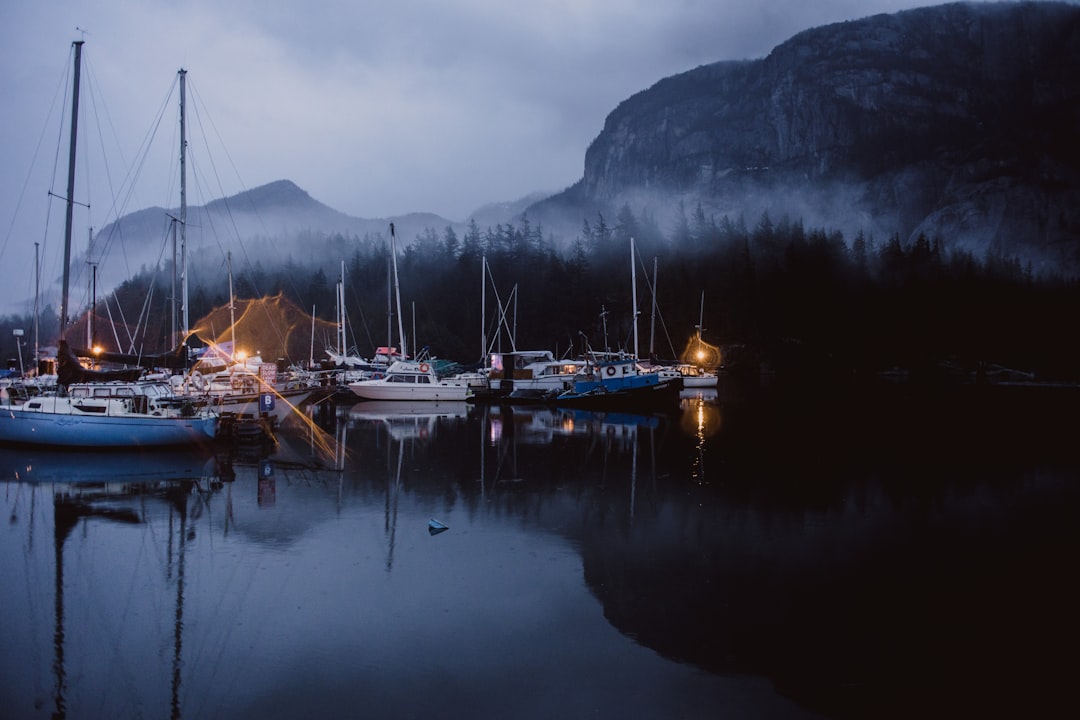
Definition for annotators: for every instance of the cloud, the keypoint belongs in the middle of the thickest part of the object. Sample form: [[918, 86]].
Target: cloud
[[375, 109]]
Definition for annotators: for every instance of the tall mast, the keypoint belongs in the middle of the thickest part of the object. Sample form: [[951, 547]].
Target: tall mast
[[701, 317], [232, 310], [70, 186], [183, 205], [633, 289], [483, 309], [37, 295], [652, 325], [172, 295], [389, 304], [341, 342], [397, 292]]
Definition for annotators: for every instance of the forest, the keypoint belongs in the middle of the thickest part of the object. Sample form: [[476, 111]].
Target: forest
[[775, 295]]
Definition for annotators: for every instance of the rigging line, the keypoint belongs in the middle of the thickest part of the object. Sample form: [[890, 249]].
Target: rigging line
[[659, 314], [56, 158], [134, 172], [33, 162], [196, 105]]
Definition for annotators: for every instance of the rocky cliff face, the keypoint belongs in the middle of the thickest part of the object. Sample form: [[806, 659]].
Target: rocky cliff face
[[961, 121]]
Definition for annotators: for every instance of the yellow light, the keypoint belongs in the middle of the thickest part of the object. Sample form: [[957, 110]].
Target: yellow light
[[96, 349], [241, 355], [700, 354]]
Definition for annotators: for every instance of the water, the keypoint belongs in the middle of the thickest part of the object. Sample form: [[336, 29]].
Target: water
[[765, 552]]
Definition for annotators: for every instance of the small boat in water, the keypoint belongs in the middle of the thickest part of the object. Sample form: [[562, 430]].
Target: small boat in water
[[414, 380], [615, 381], [108, 414]]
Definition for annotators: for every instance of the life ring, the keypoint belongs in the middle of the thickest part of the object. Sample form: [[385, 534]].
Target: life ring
[[611, 370], [423, 367]]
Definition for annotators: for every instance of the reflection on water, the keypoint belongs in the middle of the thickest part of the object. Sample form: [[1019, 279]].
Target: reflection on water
[[700, 420], [759, 552]]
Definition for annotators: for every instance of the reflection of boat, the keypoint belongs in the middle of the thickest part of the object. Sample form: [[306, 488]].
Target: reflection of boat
[[540, 424], [39, 465], [389, 409], [406, 420]]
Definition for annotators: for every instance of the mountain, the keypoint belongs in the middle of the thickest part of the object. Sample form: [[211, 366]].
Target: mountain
[[272, 221], [958, 121]]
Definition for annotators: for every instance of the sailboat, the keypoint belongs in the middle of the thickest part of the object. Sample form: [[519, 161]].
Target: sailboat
[[693, 375], [405, 379], [617, 380], [100, 410]]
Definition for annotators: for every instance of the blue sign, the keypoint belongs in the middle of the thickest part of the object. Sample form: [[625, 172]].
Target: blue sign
[[266, 402]]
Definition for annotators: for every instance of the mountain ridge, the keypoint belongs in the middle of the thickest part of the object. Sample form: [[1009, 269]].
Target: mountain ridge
[[955, 121]]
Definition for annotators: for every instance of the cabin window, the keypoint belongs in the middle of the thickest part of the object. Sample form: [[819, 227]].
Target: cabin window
[[102, 392], [80, 392], [422, 379], [125, 392]]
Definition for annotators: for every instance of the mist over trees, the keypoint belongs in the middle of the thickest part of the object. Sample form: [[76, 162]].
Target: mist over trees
[[776, 295]]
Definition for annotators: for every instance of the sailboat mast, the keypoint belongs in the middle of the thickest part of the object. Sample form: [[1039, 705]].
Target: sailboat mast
[[652, 325], [172, 295], [397, 291], [232, 309], [633, 289], [701, 317], [37, 299], [341, 312], [183, 204], [483, 309], [70, 186]]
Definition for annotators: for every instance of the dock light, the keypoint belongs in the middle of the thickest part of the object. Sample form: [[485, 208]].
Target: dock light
[[96, 349], [241, 355]]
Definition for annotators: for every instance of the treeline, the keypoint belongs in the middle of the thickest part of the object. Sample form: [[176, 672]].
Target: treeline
[[776, 293]]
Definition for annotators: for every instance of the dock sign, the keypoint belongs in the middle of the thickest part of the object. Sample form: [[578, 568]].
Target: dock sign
[[266, 402]]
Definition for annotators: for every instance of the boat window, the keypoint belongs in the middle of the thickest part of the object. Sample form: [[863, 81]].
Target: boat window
[[410, 379], [80, 392], [423, 379], [125, 392], [102, 392]]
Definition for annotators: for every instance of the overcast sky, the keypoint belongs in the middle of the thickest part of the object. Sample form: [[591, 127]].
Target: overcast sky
[[374, 108]]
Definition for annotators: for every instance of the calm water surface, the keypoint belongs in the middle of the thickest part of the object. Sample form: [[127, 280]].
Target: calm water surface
[[761, 552]]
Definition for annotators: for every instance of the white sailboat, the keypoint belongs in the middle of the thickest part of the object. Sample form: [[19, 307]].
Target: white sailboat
[[405, 379], [89, 411]]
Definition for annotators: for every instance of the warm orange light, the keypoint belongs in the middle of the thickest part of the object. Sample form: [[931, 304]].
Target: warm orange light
[[96, 349], [241, 355]]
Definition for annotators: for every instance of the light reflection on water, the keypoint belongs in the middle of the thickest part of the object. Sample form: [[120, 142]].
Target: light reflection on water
[[732, 558]]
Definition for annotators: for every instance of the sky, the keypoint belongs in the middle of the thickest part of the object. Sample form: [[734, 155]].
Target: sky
[[374, 108]]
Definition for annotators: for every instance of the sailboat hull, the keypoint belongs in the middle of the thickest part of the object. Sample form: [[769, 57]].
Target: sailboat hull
[[27, 427]]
